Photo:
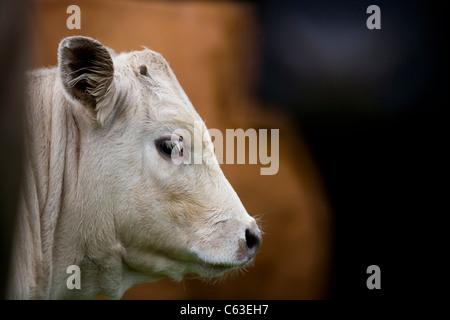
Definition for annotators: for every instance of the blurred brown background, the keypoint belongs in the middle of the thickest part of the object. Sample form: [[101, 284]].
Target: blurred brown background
[[360, 114], [213, 50]]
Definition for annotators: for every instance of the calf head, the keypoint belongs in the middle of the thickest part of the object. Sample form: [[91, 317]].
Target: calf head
[[143, 197]]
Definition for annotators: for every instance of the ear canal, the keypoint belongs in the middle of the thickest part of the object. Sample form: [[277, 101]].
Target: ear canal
[[86, 70]]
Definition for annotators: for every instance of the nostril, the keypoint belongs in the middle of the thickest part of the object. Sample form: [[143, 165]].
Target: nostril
[[252, 238]]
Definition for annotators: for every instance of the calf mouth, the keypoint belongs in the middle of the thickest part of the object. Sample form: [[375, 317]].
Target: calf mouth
[[215, 269], [247, 249]]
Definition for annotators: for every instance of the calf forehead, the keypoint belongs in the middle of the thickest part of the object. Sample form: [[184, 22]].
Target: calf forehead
[[153, 60], [161, 96], [164, 106]]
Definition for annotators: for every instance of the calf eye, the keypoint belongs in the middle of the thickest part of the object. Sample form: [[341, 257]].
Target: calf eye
[[170, 146]]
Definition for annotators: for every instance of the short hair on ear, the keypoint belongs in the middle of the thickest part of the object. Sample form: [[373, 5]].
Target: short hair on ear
[[86, 70]]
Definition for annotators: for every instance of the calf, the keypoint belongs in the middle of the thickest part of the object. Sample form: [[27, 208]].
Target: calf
[[102, 190]]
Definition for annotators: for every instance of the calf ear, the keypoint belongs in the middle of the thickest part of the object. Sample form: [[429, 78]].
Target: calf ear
[[87, 73]]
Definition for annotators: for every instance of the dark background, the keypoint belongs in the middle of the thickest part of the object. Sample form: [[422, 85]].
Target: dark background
[[14, 57], [370, 106], [367, 103]]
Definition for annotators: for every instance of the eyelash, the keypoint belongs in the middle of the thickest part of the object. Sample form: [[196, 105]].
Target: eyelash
[[166, 145]]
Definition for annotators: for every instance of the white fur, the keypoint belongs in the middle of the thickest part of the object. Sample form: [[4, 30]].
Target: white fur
[[98, 194]]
